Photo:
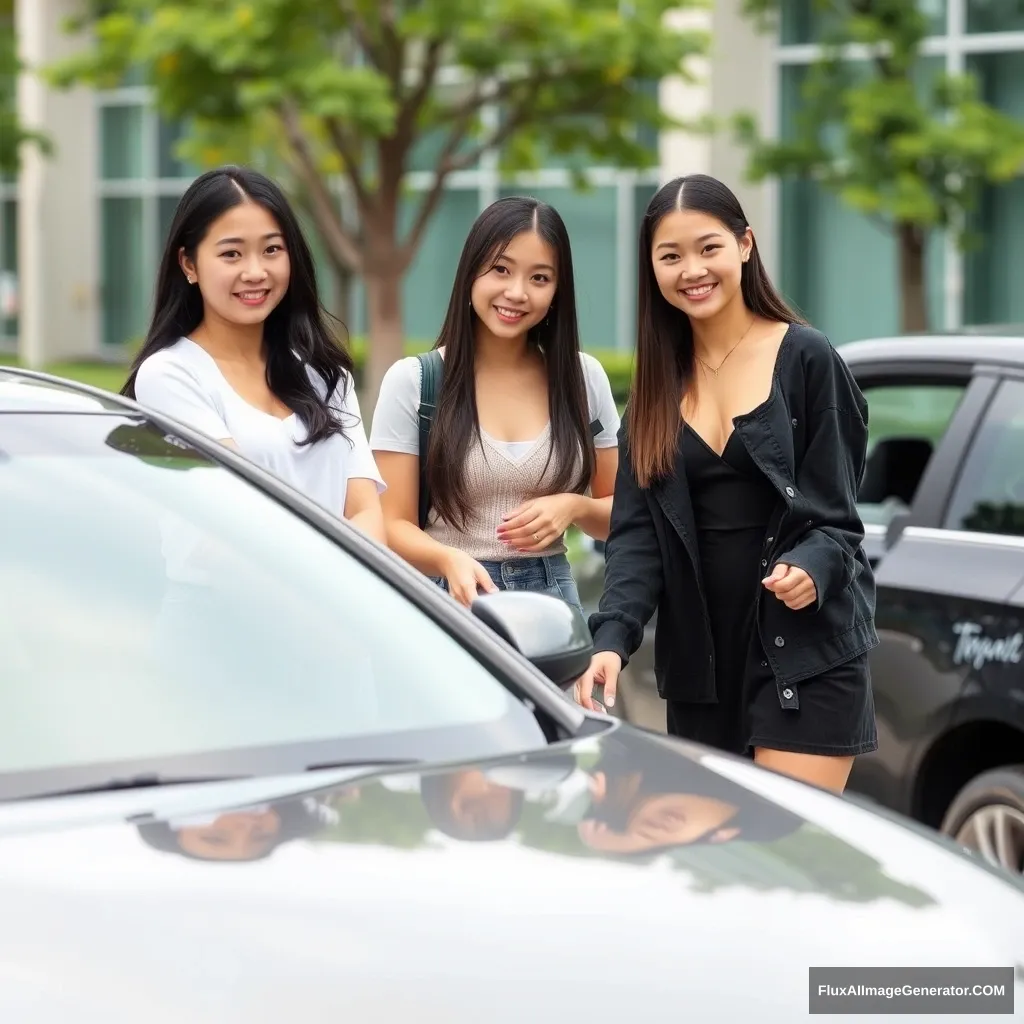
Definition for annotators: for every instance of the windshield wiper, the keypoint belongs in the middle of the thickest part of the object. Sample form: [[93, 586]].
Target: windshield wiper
[[147, 780], [361, 762], [154, 780]]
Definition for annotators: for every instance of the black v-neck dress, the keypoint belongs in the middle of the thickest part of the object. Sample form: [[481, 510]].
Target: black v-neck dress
[[733, 503]]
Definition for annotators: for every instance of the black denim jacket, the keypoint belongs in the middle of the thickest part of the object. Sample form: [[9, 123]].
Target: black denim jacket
[[809, 438]]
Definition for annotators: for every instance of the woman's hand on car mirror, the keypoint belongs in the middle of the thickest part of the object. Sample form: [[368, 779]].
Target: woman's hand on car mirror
[[604, 669]]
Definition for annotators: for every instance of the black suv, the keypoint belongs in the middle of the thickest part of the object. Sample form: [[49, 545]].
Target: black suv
[[943, 506]]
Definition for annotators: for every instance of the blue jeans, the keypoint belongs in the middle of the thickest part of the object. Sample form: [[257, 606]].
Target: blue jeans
[[550, 574]]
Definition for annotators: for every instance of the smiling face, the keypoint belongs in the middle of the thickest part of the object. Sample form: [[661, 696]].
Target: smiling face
[[241, 266], [698, 262], [236, 836], [515, 294], [662, 820]]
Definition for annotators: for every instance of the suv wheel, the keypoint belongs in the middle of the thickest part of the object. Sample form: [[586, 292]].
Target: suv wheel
[[987, 816]]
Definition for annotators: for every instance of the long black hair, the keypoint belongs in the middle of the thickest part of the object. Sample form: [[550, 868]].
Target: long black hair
[[557, 337], [296, 327], [664, 348]]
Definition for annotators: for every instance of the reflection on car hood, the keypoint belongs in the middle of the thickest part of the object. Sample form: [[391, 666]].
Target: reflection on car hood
[[620, 878]]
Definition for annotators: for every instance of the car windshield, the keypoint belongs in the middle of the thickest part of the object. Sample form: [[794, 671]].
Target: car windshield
[[154, 603]]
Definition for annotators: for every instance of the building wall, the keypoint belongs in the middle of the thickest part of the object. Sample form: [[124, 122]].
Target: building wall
[[88, 225]]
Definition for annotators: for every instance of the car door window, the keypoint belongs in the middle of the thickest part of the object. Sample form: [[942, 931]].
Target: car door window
[[989, 494], [906, 423]]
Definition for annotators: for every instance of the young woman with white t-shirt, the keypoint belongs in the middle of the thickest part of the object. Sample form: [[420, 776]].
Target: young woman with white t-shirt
[[524, 439], [239, 346]]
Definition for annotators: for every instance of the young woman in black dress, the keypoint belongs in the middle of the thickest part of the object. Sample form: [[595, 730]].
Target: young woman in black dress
[[735, 512]]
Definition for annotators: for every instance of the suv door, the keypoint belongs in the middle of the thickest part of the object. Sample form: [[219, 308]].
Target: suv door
[[941, 576], [985, 520]]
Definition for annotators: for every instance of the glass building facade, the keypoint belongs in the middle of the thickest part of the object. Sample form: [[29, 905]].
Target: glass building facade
[[841, 268], [141, 180], [827, 257]]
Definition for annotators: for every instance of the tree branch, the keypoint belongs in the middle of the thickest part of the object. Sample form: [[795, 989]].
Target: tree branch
[[415, 99], [386, 54], [447, 162], [349, 154], [320, 197], [359, 31], [393, 47]]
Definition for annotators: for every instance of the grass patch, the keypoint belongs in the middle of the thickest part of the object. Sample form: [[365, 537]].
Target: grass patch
[[108, 376]]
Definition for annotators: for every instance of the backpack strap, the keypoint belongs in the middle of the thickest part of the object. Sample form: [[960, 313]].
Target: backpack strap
[[431, 372]]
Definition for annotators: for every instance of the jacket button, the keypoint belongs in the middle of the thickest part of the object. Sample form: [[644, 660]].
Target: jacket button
[[790, 491], [788, 693], [779, 642], [770, 539]]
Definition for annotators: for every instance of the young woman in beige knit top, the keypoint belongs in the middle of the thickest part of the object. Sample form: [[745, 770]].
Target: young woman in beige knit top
[[524, 439]]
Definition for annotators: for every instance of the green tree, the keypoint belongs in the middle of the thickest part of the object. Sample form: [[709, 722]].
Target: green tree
[[354, 87], [12, 135], [911, 149]]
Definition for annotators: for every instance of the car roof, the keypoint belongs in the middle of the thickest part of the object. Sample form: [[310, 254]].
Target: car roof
[[29, 391], [967, 347]]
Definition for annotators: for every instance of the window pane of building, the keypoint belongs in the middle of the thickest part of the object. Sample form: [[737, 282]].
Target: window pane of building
[[166, 207], [808, 21], [428, 282], [838, 266], [122, 142], [127, 281], [168, 164], [428, 147], [590, 218], [992, 291], [995, 15]]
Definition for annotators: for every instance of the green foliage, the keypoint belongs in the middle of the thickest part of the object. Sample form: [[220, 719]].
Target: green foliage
[[893, 139], [12, 135], [351, 86]]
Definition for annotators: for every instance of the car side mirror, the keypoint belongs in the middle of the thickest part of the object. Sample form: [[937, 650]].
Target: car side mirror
[[549, 633]]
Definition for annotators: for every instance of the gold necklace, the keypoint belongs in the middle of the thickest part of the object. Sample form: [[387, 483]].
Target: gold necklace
[[714, 370]]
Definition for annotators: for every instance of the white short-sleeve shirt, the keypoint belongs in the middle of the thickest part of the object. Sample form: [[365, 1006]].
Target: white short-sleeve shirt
[[183, 381], [396, 415]]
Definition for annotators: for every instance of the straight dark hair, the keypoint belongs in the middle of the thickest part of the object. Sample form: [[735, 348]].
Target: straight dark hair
[[296, 334], [664, 349], [557, 337]]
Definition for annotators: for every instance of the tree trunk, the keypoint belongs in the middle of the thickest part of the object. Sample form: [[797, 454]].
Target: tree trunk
[[913, 297], [386, 336]]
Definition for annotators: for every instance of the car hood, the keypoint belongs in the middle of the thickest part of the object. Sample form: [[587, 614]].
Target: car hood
[[608, 879]]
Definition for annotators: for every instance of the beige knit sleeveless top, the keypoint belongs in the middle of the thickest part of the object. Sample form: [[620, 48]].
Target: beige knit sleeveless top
[[496, 483]]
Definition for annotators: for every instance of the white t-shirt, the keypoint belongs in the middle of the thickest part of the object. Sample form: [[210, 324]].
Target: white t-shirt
[[396, 416], [184, 381]]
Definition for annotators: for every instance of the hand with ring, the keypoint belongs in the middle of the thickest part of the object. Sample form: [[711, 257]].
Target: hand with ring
[[537, 524]]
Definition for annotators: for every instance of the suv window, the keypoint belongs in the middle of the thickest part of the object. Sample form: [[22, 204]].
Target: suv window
[[989, 495], [155, 604], [906, 423]]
